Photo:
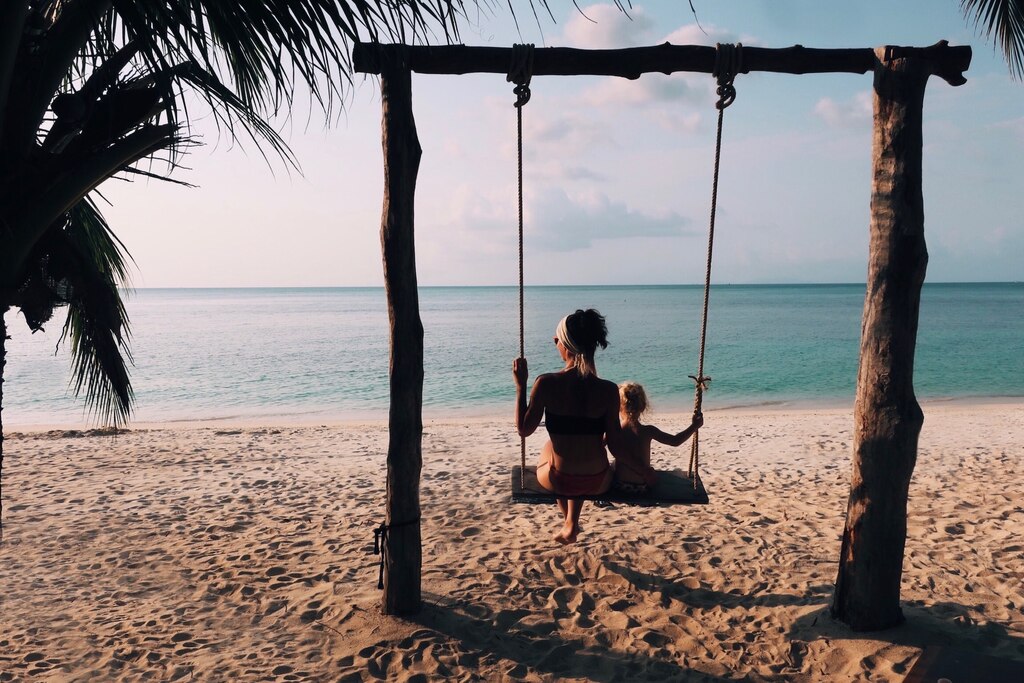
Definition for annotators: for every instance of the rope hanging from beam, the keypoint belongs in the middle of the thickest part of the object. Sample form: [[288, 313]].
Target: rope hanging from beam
[[520, 72], [728, 63]]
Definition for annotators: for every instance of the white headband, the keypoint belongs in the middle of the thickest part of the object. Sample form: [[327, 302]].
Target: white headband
[[562, 332]]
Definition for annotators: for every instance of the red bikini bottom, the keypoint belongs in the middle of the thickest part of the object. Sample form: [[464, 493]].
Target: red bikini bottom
[[577, 484]]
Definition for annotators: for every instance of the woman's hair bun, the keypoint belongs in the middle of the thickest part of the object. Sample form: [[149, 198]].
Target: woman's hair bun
[[588, 329]]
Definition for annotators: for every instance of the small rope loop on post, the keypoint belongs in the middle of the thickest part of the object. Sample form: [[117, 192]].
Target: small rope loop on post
[[520, 72], [380, 544], [728, 63]]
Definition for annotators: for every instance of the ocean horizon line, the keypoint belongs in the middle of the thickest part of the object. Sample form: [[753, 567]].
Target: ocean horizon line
[[306, 288]]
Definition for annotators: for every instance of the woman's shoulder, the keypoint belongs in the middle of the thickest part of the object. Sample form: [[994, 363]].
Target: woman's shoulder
[[546, 380]]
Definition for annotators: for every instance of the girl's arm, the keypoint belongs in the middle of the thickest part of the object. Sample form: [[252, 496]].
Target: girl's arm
[[678, 439]]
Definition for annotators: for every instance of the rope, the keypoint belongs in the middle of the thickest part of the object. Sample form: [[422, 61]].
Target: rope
[[520, 72], [380, 544], [728, 63]]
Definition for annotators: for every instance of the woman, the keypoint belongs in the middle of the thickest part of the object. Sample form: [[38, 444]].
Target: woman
[[581, 411]]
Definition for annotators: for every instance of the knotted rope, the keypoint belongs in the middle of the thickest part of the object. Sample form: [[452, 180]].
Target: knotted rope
[[728, 63], [380, 544], [520, 72]]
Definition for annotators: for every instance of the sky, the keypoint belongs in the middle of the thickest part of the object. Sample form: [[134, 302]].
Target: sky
[[617, 173]]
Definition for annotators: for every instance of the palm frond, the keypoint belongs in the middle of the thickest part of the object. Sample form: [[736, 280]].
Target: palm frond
[[1002, 21], [81, 264], [247, 57], [12, 20], [97, 322]]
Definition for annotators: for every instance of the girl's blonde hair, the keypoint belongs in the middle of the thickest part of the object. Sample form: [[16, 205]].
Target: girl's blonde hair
[[633, 400]]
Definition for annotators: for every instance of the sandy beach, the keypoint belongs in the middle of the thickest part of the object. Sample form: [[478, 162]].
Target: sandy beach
[[244, 553]]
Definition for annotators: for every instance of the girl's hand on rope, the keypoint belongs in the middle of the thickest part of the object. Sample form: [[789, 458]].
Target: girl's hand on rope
[[698, 421], [520, 371]]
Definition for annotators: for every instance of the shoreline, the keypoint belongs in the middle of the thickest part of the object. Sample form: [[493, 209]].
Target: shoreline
[[435, 416]]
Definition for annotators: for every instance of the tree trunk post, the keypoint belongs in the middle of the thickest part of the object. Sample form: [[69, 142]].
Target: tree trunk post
[[401, 541], [887, 417], [3, 364]]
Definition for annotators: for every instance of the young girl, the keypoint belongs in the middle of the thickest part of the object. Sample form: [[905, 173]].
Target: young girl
[[632, 449]]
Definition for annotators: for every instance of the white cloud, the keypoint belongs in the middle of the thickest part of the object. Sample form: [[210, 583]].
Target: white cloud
[[558, 222], [567, 136], [676, 121], [649, 89], [854, 113], [474, 239], [607, 27], [692, 34], [1015, 126], [558, 129], [452, 148], [583, 173]]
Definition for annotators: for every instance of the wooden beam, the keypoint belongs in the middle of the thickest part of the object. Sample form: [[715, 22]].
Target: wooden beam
[[949, 62], [402, 553], [887, 417]]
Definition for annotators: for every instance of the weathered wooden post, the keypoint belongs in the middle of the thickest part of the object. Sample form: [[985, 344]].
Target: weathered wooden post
[[887, 417], [401, 538], [3, 362]]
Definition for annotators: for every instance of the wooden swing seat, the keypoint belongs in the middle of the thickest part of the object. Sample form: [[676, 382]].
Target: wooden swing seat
[[960, 666], [673, 488]]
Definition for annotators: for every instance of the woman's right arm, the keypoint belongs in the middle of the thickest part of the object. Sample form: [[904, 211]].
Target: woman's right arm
[[528, 414]]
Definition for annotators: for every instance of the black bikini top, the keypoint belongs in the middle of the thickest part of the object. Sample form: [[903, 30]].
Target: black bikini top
[[573, 424]]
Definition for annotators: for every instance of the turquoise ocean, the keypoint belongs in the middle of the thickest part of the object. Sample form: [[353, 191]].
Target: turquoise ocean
[[308, 355]]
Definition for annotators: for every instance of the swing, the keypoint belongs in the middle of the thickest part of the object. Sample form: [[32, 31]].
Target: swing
[[673, 487]]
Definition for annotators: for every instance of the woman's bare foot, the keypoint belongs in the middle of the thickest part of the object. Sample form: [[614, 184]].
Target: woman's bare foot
[[567, 535]]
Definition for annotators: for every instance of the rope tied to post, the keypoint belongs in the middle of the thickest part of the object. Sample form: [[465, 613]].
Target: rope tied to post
[[728, 63], [520, 72], [380, 544], [701, 384]]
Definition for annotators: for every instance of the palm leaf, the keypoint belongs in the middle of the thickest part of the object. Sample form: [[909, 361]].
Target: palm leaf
[[97, 322], [81, 264], [247, 57], [1002, 20]]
